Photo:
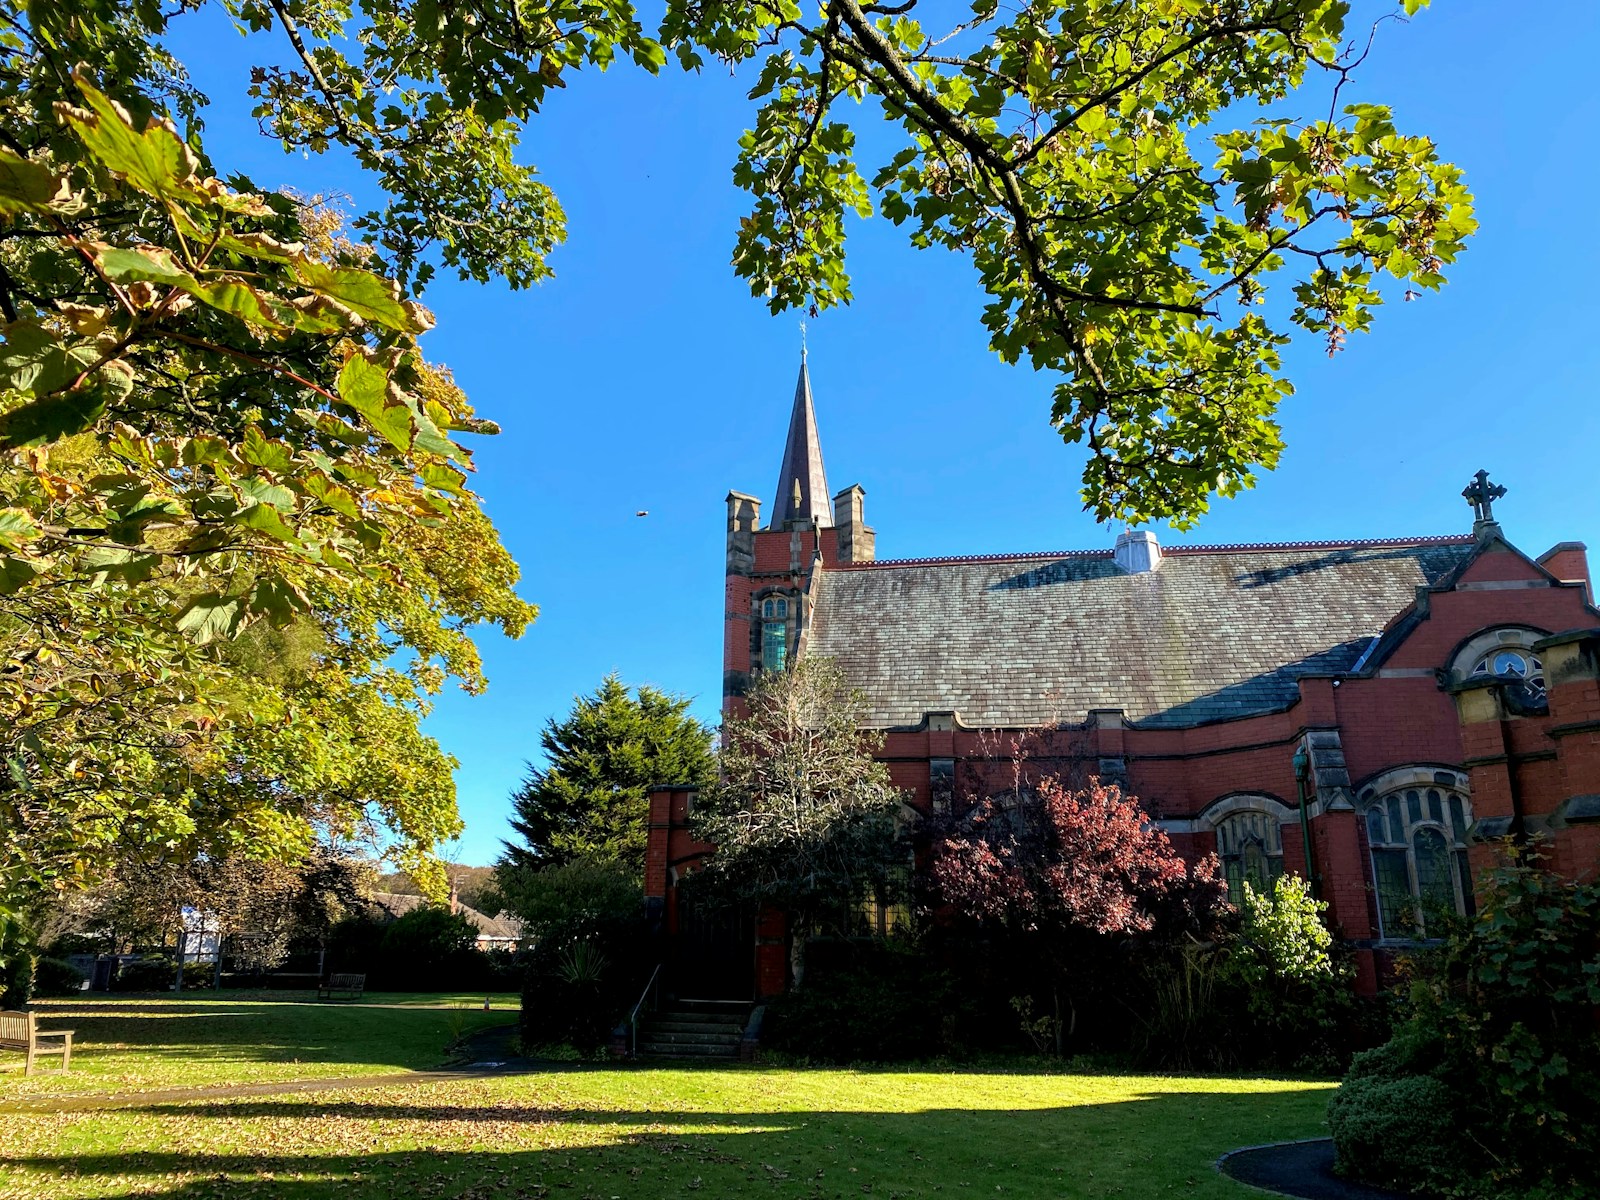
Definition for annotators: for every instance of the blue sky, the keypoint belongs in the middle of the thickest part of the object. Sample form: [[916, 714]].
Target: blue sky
[[643, 376]]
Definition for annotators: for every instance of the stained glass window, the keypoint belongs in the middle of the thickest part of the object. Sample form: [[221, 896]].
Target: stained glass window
[[774, 645], [1419, 858], [1250, 845]]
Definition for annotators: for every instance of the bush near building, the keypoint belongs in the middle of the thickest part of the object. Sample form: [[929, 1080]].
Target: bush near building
[[1490, 1088]]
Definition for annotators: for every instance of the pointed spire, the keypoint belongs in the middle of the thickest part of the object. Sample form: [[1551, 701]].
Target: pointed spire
[[802, 483]]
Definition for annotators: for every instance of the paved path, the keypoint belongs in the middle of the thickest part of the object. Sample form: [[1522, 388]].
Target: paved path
[[1300, 1169]]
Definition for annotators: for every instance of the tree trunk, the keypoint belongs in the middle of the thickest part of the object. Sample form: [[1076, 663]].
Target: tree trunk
[[797, 958], [1055, 994]]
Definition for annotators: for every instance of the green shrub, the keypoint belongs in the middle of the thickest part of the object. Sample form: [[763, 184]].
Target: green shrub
[[150, 974], [1276, 994], [591, 954], [1503, 1018], [1300, 1012], [877, 1002], [56, 977], [1397, 1129]]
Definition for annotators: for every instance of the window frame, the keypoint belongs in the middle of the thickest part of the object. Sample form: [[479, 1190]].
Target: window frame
[[774, 612], [1403, 813]]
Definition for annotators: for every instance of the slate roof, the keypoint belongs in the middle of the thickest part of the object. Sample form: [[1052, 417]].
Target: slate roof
[[503, 928], [1212, 633]]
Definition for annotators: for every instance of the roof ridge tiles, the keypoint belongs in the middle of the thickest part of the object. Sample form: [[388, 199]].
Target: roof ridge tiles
[[1435, 539]]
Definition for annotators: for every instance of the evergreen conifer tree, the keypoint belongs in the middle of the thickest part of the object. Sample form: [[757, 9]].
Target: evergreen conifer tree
[[588, 800]]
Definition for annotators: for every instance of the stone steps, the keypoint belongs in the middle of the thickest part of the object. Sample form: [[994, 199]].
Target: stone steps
[[694, 1029]]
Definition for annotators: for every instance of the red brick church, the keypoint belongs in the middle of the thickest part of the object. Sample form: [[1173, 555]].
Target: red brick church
[[1407, 700]]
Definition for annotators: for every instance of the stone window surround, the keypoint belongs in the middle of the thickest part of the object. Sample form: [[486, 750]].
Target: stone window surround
[[1486, 641], [1417, 777], [759, 623]]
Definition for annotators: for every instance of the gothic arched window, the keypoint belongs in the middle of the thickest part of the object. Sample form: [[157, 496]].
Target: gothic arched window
[[1250, 844], [1418, 840], [774, 633]]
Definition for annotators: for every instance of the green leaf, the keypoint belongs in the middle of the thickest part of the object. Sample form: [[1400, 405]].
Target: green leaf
[[364, 386], [262, 492], [146, 264], [334, 496], [153, 264], [369, 296], [209, 617], [16, 574], [155, 159], [264, 518], [38, 360], [275, 598], [444, 478], [30, 186], [51, 419], [16, 526]]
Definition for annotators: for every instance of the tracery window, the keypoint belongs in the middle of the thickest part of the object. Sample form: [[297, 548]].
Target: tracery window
[[1506, 653], [1250, 844], [1514, 663], [774, 633], [1418, 839]]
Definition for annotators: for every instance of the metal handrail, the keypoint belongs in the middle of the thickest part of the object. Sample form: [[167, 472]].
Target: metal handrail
[[633, 1017]]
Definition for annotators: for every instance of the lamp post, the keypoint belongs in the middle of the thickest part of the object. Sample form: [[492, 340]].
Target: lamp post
[[1302, 771]]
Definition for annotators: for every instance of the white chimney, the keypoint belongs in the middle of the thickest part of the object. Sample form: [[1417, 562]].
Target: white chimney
[[1138, 551]]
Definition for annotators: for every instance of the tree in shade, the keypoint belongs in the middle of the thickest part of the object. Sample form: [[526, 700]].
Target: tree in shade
[[804, 817], [1066, 873]]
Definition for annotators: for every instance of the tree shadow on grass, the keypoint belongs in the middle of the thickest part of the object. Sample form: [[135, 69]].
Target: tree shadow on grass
[[1148, 1144]]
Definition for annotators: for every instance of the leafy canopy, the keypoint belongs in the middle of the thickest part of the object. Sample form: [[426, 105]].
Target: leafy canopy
[[1084, 154], [1131, 222], [236, 544], [589, 798]]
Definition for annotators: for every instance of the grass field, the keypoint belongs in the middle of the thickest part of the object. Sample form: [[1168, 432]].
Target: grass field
[[640, 1134], [145, 1043], [597, 1133]]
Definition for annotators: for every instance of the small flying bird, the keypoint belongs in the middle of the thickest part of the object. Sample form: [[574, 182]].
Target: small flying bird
[[643, 512]]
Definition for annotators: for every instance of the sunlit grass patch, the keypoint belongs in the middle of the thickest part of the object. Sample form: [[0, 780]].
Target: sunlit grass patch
[[139, 1044], [645, 1133]]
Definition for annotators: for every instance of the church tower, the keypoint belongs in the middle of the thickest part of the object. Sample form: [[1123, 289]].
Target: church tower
[[772, 571]]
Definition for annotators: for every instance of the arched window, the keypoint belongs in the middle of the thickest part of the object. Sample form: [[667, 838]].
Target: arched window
[[1515, 664], [1250, 844], [1506, 654], [1418, 839], [774, 633]]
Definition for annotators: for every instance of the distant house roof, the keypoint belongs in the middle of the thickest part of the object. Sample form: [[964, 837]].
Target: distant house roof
[[503, 928], [1214, 632]]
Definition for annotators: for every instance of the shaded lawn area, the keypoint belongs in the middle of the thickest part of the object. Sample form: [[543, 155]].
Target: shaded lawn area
[[644, 1133], [144, 1043]]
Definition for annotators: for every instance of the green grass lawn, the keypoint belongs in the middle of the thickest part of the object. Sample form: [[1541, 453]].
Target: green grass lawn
[[144, 1043], [636, 1133], [644, 1133]]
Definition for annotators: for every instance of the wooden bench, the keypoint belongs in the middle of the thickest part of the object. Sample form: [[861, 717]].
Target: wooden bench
[[18, 1032], [342, 987]]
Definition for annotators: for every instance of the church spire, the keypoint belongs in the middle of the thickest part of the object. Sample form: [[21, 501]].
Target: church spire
[[802, 483]]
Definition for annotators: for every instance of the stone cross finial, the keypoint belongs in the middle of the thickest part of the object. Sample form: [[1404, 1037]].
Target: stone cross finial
[[1482, 494]]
